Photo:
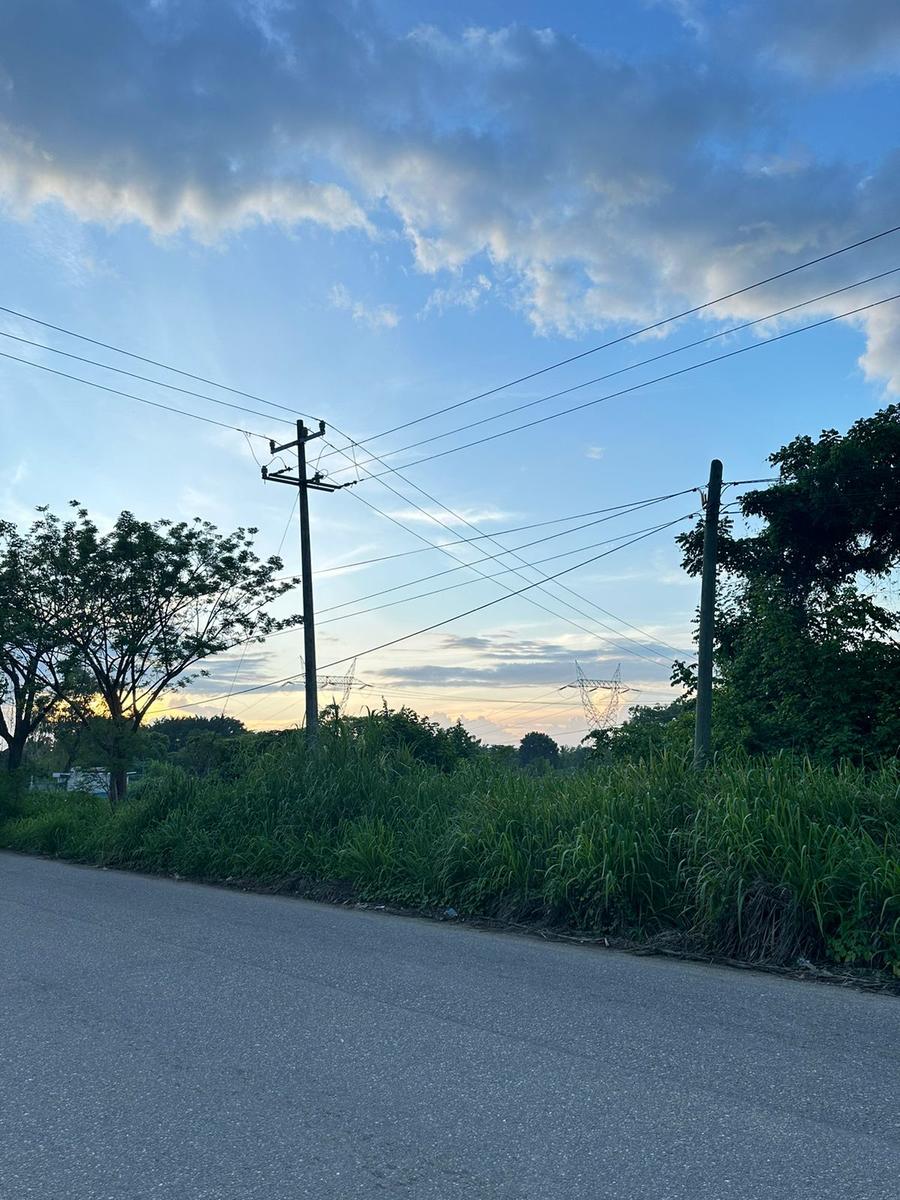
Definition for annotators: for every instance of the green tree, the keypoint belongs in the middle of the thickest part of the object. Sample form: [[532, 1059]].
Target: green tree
[[538, 747], [404, 730], [143, 604], [179, 731], [37, 671], [807, 655], [649, 730]]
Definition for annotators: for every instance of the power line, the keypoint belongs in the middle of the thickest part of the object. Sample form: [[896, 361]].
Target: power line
[[92, 362], [391, 691], [712, 337], [247, 641], [501, 387], [462, 564], [457, 516], [623, 509], [468, 582], [497, 599], [687, 312], [474, 567], [207, 420], [490, 557], [152, 362], [130, 396], [157, 404], [646, 383], [439, 624], [416, 694]]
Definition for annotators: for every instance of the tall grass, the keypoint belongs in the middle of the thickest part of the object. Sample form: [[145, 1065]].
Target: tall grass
[[761, 860]]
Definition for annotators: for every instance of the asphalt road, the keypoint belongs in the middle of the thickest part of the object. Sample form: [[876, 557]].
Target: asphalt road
[[161, 1039]]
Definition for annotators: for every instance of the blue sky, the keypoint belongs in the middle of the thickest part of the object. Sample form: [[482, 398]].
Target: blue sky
[[369, 212]]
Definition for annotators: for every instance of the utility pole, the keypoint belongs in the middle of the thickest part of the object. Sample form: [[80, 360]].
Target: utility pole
[[316, 483], [703, 725]]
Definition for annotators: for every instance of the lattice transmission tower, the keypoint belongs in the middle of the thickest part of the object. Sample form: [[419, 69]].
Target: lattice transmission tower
[[603, 717], [345, 683]]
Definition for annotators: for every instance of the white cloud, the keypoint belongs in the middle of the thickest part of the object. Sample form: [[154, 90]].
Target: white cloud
[[605, 190], [596, 452], [463, 294], [382, 316], [476, 516]]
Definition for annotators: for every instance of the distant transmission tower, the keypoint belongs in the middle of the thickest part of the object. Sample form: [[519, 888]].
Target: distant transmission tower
[[586, 686], [344, 682]]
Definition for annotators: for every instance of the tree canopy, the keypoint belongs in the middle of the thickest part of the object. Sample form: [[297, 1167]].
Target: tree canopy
[[536, 747], [137, 608], [807, 652]]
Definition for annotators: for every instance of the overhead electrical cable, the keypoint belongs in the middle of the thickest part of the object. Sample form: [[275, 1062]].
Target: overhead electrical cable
[[152, 362], [624, 509], [461, 566], [644, 329], [92, 362], [130, 396], [468, 582], [195, 416], [491, 537], [405, 637], [639, 651], [712, 337], [636, 387], [453, 586], [530, 599], [485, 559], [481, 395]]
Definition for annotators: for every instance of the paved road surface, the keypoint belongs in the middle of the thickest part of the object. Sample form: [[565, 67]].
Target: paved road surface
[[160, 1039]]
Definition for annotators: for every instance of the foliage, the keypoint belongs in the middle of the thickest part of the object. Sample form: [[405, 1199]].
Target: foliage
[[807, 658], [650, 729], [36, 670], [140, 606], [404, 732], [763, 859], [179, 731], [538, 748]]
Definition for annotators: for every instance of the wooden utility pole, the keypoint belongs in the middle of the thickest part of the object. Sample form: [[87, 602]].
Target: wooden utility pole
[[703, 723], [316, 483]]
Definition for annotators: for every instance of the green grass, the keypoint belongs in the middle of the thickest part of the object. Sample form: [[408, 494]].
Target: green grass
[[759, 860]]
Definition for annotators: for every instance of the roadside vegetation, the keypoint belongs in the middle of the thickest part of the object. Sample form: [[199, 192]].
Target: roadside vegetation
[[766, 860], [787, 847]]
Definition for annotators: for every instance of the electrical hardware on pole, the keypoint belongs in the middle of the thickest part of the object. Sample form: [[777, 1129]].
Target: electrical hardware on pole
[[316, 483]]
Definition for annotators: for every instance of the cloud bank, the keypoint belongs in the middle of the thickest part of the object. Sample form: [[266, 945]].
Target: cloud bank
[[603, 189]]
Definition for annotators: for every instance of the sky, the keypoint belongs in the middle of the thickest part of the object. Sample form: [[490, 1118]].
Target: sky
[[367, 212]]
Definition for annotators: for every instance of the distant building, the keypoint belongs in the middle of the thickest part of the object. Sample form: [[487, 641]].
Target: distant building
[[93, 780]]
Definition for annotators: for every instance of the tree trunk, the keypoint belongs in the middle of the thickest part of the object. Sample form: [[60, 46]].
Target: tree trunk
[[15, 751], [118, 783]]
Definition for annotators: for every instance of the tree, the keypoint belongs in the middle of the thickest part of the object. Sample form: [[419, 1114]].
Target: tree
[[141, 605], [538, 748], [403, 730], [37, 672], [807, 657], [179, 731], [649, 729]]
